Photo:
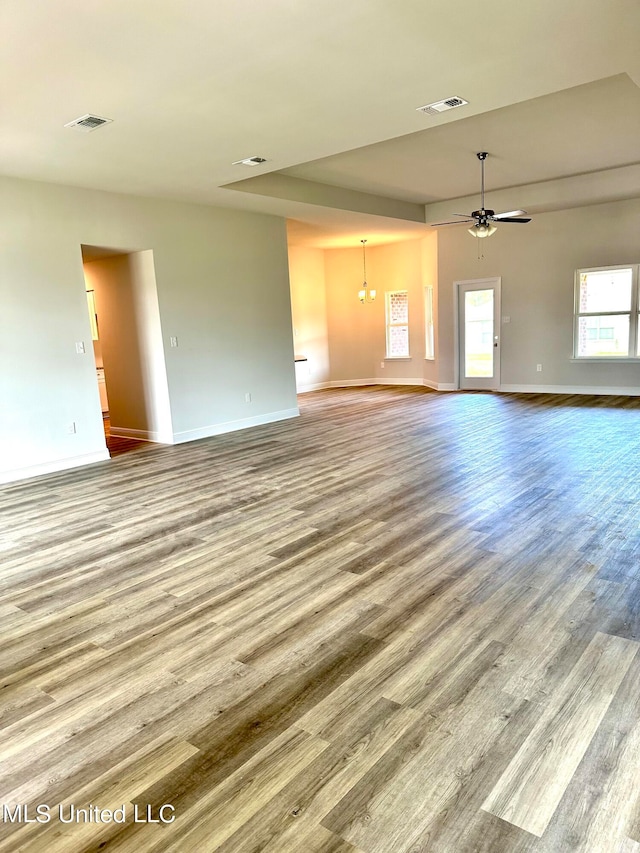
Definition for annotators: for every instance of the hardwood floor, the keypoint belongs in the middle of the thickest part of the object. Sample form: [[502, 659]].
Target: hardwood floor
[[405, 621], [118, 445]]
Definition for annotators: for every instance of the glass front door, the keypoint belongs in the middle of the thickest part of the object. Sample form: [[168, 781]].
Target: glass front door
[[479, 356]]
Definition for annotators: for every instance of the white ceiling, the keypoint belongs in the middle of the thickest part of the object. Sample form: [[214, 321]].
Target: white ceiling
[[577, 130], [327, 92]]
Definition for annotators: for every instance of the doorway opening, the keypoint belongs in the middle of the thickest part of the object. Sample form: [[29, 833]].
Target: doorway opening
[[131, 373]]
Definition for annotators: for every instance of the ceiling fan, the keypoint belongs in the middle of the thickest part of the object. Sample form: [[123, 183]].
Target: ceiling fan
[[483, 219]]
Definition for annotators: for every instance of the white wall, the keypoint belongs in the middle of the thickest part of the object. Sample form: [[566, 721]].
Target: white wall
[[309, 310], [158, 423], [223, 290], [351, 325], [429, 245], [537, 264], [357, 344]]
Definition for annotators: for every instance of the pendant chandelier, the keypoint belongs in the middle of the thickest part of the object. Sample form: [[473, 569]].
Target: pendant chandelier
[[365, 294]]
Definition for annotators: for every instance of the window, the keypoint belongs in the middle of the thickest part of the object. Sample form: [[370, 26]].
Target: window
[[429, 350], [606, 313], [397, 305]]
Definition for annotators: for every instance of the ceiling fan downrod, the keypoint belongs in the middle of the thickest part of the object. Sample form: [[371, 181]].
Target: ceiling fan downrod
[[482, 156]]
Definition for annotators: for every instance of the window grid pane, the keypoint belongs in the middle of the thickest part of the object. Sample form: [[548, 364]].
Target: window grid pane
[[603, 291], [604, 336], [397, 306], [398, 341]]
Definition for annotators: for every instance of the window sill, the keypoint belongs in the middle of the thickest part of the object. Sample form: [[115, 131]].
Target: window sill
[[398, 358], [429, 358], [607, 359]]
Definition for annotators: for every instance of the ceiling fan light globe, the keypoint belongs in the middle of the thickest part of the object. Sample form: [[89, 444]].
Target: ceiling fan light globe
[[482, 230]]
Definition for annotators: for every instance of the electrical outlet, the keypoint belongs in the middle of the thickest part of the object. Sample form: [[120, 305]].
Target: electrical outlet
[[382, 364], [539, 368], [71, 428], [247, 398], [173, 341]]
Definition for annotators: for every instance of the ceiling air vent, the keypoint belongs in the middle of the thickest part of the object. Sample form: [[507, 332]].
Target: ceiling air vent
[[88, 123], [249, 161], [442, 106]]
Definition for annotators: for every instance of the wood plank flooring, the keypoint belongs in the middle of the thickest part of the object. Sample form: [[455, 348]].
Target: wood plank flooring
[[405, 621], [117, 445]]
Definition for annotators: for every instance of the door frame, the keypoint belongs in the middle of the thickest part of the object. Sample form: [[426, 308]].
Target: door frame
[[489, 281]]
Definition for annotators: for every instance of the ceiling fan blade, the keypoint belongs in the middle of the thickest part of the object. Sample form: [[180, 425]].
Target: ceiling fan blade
[[453, 222], [510, 219], [509, 213]]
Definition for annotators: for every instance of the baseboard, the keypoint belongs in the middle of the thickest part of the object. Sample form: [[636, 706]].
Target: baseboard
[[142, 435], [590, 390], [351, 383], [393, 381], [354, 383], [232, 426], [319, 386], [53, 467], [587, 390], [450, 386]]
